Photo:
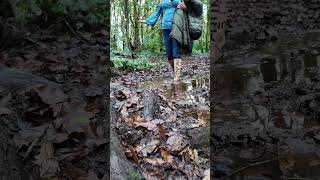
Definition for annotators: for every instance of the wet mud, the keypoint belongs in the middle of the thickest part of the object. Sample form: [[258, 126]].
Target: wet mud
[[266, 111], [171, 118], [53, 97]]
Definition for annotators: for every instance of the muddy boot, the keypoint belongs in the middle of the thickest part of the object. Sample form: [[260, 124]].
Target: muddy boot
[[177, 69]]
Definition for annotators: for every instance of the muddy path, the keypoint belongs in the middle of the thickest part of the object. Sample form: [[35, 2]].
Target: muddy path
[[164, 128], [266, 116]]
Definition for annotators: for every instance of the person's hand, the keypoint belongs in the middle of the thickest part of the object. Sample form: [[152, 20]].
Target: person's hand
[[182, 5], [141, 21]]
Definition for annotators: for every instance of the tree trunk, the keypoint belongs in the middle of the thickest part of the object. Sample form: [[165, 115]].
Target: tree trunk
[[136, 41], [127, 23]]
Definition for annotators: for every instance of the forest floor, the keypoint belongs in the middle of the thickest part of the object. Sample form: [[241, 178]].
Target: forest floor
[[52, 105], [270, 96], [164, 128]]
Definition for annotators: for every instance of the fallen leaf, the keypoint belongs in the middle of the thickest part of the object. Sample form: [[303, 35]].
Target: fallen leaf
[[129, 121], [176, 142], [25, 137], [206, 175], [134, 155], [148, 148], [50, 94], [166, 155], [139, 119], [154, 161], [49, 165], [162, 133], [195, 157], [286, 164], [314, 162], [147, 125]]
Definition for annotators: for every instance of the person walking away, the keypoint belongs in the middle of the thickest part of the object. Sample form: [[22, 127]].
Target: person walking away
[[167, 9]]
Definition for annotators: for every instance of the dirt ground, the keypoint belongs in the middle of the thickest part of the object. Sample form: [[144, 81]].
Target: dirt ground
[[53, 96], [164, 128]]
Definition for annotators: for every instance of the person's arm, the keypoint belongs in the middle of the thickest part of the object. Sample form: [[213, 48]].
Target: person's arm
[[176, 3], [152, 20]]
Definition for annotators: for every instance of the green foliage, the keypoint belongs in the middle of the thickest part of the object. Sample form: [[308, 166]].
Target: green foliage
[[133, 64], [135, 176], [81, 12]]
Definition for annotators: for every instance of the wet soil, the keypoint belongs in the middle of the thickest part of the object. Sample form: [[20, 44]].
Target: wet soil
[[53, 106], [266, 116], [177, 129]]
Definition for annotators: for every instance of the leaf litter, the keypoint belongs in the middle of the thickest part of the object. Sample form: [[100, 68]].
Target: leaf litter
[[153, 127], [54, 97]]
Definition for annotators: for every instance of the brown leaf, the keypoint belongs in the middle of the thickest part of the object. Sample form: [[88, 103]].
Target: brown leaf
[[139, 119], [150, 147], [50, 94], [166, 155], [286, 164], [147, 125], [134, 155], [176, 142], [314, 162], [162, 133], [48, 163], [129, 121]]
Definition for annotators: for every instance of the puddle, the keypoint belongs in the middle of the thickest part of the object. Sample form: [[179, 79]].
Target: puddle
[[252, 79], [272, 97], [307, 164], [186, 90], [191, 94]]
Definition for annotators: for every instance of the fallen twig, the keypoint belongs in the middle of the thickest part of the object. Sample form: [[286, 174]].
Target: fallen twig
[[249, 166], [33, 144]]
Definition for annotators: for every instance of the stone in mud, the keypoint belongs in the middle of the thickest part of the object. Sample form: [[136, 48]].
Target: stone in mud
[[116, 86]]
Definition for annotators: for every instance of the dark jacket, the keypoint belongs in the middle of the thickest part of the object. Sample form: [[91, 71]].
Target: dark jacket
[[187, 24]]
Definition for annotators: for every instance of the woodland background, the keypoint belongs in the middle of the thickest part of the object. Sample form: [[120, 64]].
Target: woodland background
[[131, 38]]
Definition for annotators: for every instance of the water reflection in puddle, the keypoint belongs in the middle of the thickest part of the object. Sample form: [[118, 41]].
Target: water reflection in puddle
[[193, 92], [185, 90], [252, 79]]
